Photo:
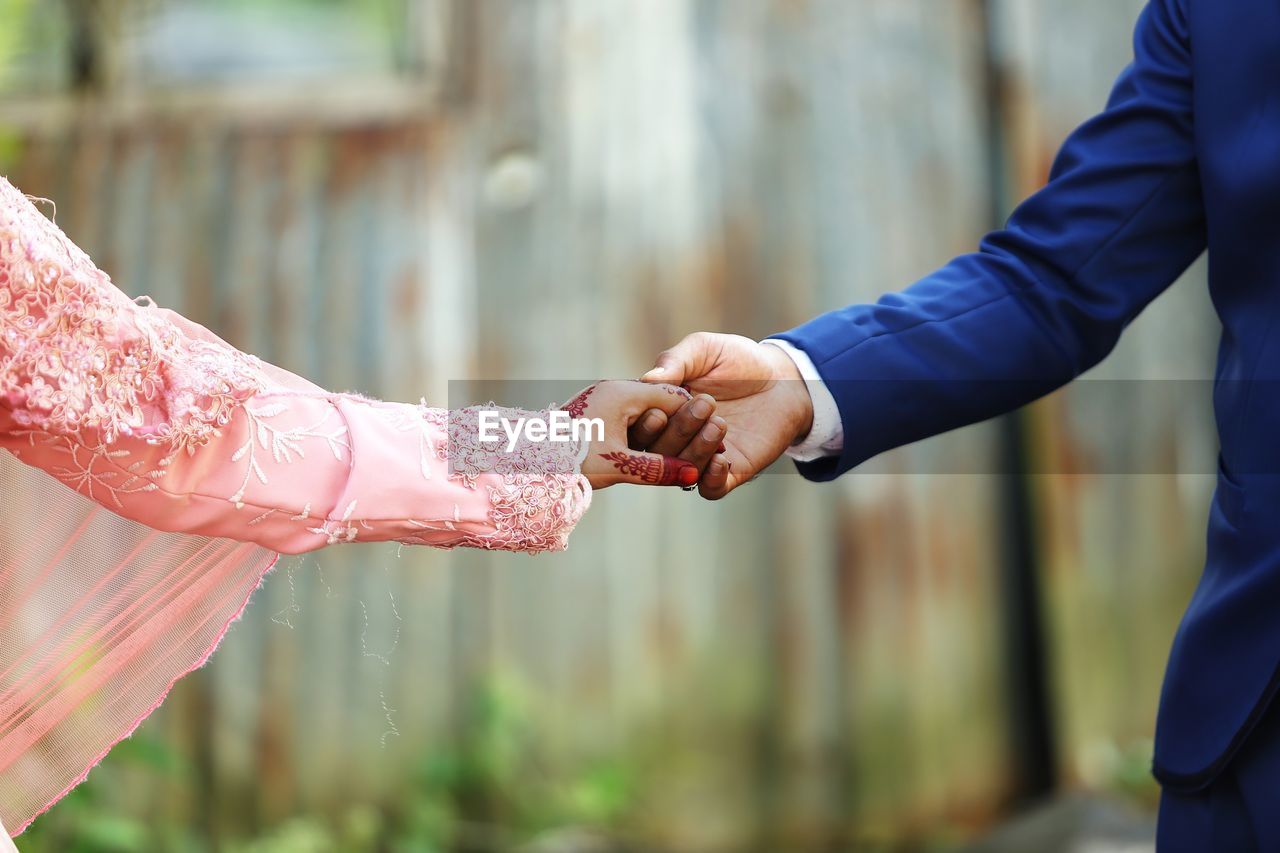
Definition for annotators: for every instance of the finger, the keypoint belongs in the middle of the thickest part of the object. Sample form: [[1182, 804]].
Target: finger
[[715, 480], [647, 429], [684, 426], [706, 443], [639, 397], [650, 469], [684, 361]]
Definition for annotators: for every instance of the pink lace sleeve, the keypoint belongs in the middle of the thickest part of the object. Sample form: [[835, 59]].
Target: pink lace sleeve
[[161, 422]]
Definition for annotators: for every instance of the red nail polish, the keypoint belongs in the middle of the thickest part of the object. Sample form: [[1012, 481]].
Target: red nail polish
[[721, 448], [688, 476]]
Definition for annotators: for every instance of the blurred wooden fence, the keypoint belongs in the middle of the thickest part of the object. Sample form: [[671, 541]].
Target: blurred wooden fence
[[573, 186]]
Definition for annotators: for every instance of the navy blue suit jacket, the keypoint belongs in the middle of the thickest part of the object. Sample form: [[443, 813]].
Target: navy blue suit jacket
[[1185, 156]]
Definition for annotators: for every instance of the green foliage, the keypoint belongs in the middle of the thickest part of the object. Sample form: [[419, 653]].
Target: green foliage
[[13, 20], [1129, 775], [497, 775], [33, 45], [491, 788], [86, 822], [13, 17]]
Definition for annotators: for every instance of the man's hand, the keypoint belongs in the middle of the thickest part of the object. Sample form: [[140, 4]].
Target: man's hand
[[759, 393]]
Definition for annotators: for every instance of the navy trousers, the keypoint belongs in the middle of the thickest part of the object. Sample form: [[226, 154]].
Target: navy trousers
[[1239, 812]]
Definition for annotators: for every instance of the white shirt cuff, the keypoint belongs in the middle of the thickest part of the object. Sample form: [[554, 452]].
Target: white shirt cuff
[[826, 436]]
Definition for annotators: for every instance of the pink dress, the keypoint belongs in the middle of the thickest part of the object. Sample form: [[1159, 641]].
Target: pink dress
[[168, 470]]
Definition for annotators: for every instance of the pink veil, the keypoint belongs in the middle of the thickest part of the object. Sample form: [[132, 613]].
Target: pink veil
[[99, 616]]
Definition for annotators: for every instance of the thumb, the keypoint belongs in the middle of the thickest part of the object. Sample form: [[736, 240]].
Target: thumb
[[649, 469], [679, 364]]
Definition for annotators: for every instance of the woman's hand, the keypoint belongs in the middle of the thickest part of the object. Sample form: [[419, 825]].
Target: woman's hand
[[635, 415]]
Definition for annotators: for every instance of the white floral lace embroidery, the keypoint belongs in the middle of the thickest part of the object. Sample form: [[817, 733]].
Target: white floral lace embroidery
[[76, 355], [284, 443], [543, 494], [98, 472]]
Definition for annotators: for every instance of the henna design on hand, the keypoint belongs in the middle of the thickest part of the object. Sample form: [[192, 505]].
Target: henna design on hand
[[578, 405], [656, 471]]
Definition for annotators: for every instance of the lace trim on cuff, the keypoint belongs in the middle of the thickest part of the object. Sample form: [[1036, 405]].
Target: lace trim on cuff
[[543, 495]]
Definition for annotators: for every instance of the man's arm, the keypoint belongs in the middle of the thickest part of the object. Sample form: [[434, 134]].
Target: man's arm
[[826, 431], [1042, 300]]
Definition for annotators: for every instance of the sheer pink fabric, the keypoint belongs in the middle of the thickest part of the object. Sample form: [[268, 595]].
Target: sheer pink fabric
[[98, 617], [189, 465]]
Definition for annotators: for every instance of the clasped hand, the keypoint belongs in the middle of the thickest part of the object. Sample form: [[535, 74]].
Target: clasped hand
[[715, 410]]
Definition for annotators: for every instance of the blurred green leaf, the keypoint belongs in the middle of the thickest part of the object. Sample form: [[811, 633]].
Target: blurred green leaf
[[113, 833], [602, 794], [300, 835], [146, 751]]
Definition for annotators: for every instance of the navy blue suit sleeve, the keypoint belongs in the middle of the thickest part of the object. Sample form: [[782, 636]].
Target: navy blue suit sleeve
[[1046, 297]]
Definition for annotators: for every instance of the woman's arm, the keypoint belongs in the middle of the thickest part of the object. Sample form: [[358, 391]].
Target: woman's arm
[[158, 420]]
